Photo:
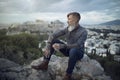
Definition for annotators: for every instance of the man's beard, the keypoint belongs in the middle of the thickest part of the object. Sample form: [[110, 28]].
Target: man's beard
[[71, 28]]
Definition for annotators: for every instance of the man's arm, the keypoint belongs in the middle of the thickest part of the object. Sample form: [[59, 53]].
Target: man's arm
[[55, 35], [50, 39]]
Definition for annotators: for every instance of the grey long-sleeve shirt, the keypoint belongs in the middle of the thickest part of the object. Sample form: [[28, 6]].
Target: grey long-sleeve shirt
[[74, 39]]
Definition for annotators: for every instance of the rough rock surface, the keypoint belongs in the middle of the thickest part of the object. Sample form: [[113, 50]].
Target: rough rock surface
[[86, 69]]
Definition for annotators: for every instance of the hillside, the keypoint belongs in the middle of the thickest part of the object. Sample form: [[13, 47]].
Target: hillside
[[114, 22]]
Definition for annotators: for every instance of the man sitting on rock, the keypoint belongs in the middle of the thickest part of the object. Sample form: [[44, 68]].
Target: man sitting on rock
[[74, 48]]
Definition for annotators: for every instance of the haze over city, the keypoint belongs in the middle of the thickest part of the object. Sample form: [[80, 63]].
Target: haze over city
[[92, 11]]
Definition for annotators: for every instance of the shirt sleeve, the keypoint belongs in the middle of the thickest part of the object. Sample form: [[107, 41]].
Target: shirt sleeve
[[54, 36]]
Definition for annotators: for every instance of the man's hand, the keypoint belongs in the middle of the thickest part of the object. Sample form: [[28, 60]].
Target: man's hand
[[46, 52], [56, 46]]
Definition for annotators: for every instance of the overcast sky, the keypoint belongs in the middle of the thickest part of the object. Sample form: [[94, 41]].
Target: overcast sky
[[92, 11]]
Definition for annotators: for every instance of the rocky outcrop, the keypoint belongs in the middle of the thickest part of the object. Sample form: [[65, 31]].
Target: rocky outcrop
[[86, 69]]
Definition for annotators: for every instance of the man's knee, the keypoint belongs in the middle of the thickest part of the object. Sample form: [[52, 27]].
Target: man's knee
[[76, 54], [56, 41], [73, 52]]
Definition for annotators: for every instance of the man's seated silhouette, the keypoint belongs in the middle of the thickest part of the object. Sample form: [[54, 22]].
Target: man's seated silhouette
[[74, 49]]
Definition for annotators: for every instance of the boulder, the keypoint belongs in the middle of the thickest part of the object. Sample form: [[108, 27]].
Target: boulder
[[86, 69], [5, 64]]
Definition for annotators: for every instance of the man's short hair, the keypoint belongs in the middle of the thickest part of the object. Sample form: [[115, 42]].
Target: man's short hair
[[75, 14]]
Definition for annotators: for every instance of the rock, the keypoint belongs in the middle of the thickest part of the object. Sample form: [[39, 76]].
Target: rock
[[4, 64], [39, 75], [12, 71], [85, 69]]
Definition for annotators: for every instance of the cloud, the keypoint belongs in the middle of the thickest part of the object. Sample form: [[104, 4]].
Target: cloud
[[95, 5], [56, 5], [62, 6], [94, 17], [29, 6], [25, 6], [14, 6], [15, 17], [55, 9]]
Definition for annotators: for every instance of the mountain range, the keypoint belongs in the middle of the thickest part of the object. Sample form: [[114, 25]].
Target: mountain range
[[114, 22]]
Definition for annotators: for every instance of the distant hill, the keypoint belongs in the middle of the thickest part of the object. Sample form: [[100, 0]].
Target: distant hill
[[114, 22]]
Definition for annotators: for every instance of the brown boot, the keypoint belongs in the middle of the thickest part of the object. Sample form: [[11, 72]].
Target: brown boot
[[42, 66], [67, 77]]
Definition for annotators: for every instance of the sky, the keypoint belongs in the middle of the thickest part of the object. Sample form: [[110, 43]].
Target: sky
[[92, 11]]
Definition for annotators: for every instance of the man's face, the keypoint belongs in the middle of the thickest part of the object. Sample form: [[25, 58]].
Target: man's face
[[72, 20]]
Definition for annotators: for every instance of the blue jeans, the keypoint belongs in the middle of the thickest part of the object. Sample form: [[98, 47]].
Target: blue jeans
[[74, 55]]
